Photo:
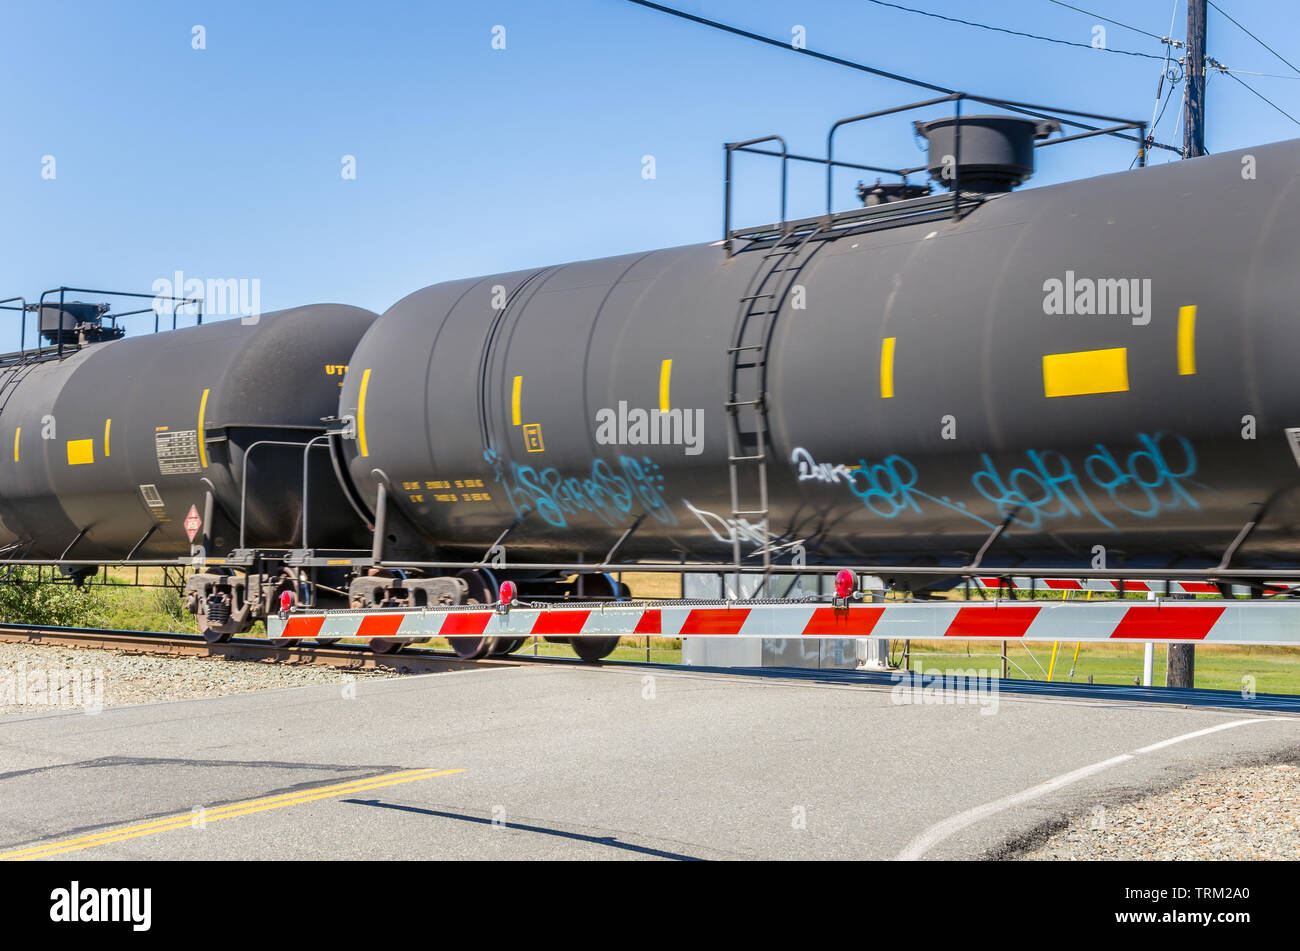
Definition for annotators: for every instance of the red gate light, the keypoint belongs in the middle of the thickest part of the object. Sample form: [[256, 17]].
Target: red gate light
[[844, 584], [508, 592]]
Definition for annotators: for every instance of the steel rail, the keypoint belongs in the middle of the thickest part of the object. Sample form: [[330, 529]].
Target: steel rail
[[431, 661], [348, 657]]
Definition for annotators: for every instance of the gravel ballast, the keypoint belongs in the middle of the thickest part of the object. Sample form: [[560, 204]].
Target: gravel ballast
[[38, 678], [1249, 812]]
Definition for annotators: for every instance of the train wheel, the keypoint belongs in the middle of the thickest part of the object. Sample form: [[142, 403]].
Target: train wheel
[[507, 645], [593, 649], [483, 589], [283, 642], [472, 648], [327, 641], [603, 586], [212, 635], [382, 645]]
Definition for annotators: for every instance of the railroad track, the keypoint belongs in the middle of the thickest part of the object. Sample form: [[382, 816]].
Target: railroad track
[[422, 660], [412, 660]]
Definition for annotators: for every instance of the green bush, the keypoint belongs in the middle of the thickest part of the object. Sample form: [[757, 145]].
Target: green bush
[[24, 600], [161, 610]]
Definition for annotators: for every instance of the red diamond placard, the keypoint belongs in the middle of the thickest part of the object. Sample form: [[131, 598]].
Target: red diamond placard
[[192, 523]]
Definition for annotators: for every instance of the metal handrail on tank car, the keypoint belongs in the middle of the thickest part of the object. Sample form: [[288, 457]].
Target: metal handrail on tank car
[[22, 307], [1117, 127], [243, 479], [182, 301], [58, 348]]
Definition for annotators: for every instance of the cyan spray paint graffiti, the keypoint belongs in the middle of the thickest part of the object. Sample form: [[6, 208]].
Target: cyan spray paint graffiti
[[889, 488], [1149, 480], [612, 496], [1145, 482]]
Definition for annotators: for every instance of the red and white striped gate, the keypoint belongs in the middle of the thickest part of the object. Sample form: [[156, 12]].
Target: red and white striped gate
[[1205, 621], [1110, 587]]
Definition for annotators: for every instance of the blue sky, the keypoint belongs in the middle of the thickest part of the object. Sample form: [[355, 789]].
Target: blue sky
[[225, 162]]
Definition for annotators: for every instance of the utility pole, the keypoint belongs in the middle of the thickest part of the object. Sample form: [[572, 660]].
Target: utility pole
[[1194, 130], [1180, 670]]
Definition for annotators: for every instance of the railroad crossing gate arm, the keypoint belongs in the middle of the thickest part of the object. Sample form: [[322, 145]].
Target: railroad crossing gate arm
[[1171, 622]]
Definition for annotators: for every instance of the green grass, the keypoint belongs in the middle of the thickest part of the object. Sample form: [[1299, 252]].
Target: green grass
[[1275, 669], [661, 651]]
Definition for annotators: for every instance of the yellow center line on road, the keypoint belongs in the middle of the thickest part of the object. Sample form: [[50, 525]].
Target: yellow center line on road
[[200, 818]]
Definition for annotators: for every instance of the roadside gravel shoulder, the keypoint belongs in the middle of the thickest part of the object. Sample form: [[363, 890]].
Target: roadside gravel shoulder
[[1246, 812], [38, 678]]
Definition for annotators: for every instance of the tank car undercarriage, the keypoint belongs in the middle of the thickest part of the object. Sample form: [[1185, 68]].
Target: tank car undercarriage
[[226, 601]]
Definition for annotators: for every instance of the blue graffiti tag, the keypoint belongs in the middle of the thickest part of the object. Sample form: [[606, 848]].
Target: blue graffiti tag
[[1146, 481], [889, 487], [1142, 483], [609, 495], [1046, 488]]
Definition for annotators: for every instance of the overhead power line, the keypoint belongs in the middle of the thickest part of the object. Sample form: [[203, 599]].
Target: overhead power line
[[1221, 68], [1254, 37], [784, 44], [1107, 19], [1247, 72], [1265, 98], [1002, 29], [1164, 70]]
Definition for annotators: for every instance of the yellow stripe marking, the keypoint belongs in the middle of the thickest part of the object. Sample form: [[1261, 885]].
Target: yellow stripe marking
[[361, 414], [203, 449], [81, 452], [516, 417], [17, 432], [1085, 372], [108, 425], [665, 384], [887, 367], [1187, 340], [224, 812]]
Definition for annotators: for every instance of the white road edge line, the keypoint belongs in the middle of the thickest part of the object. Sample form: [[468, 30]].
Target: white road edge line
[[937, 833]]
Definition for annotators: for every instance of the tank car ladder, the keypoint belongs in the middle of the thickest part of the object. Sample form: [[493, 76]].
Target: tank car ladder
[[747, 436], [10, 377]]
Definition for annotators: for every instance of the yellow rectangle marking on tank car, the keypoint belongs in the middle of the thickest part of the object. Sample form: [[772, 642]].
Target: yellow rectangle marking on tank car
[[665, 385], [516, 391], [887, 367], [203, 448], [1187, 340], [17, 433], [361, 413], [81, 452], [108, 425], [1085, 372]]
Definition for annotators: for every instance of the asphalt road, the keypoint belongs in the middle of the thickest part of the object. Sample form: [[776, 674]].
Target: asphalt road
[[590, 763]]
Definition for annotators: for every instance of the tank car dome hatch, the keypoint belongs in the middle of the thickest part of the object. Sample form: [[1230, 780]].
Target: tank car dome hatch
[[76, 323], [996, 152]]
